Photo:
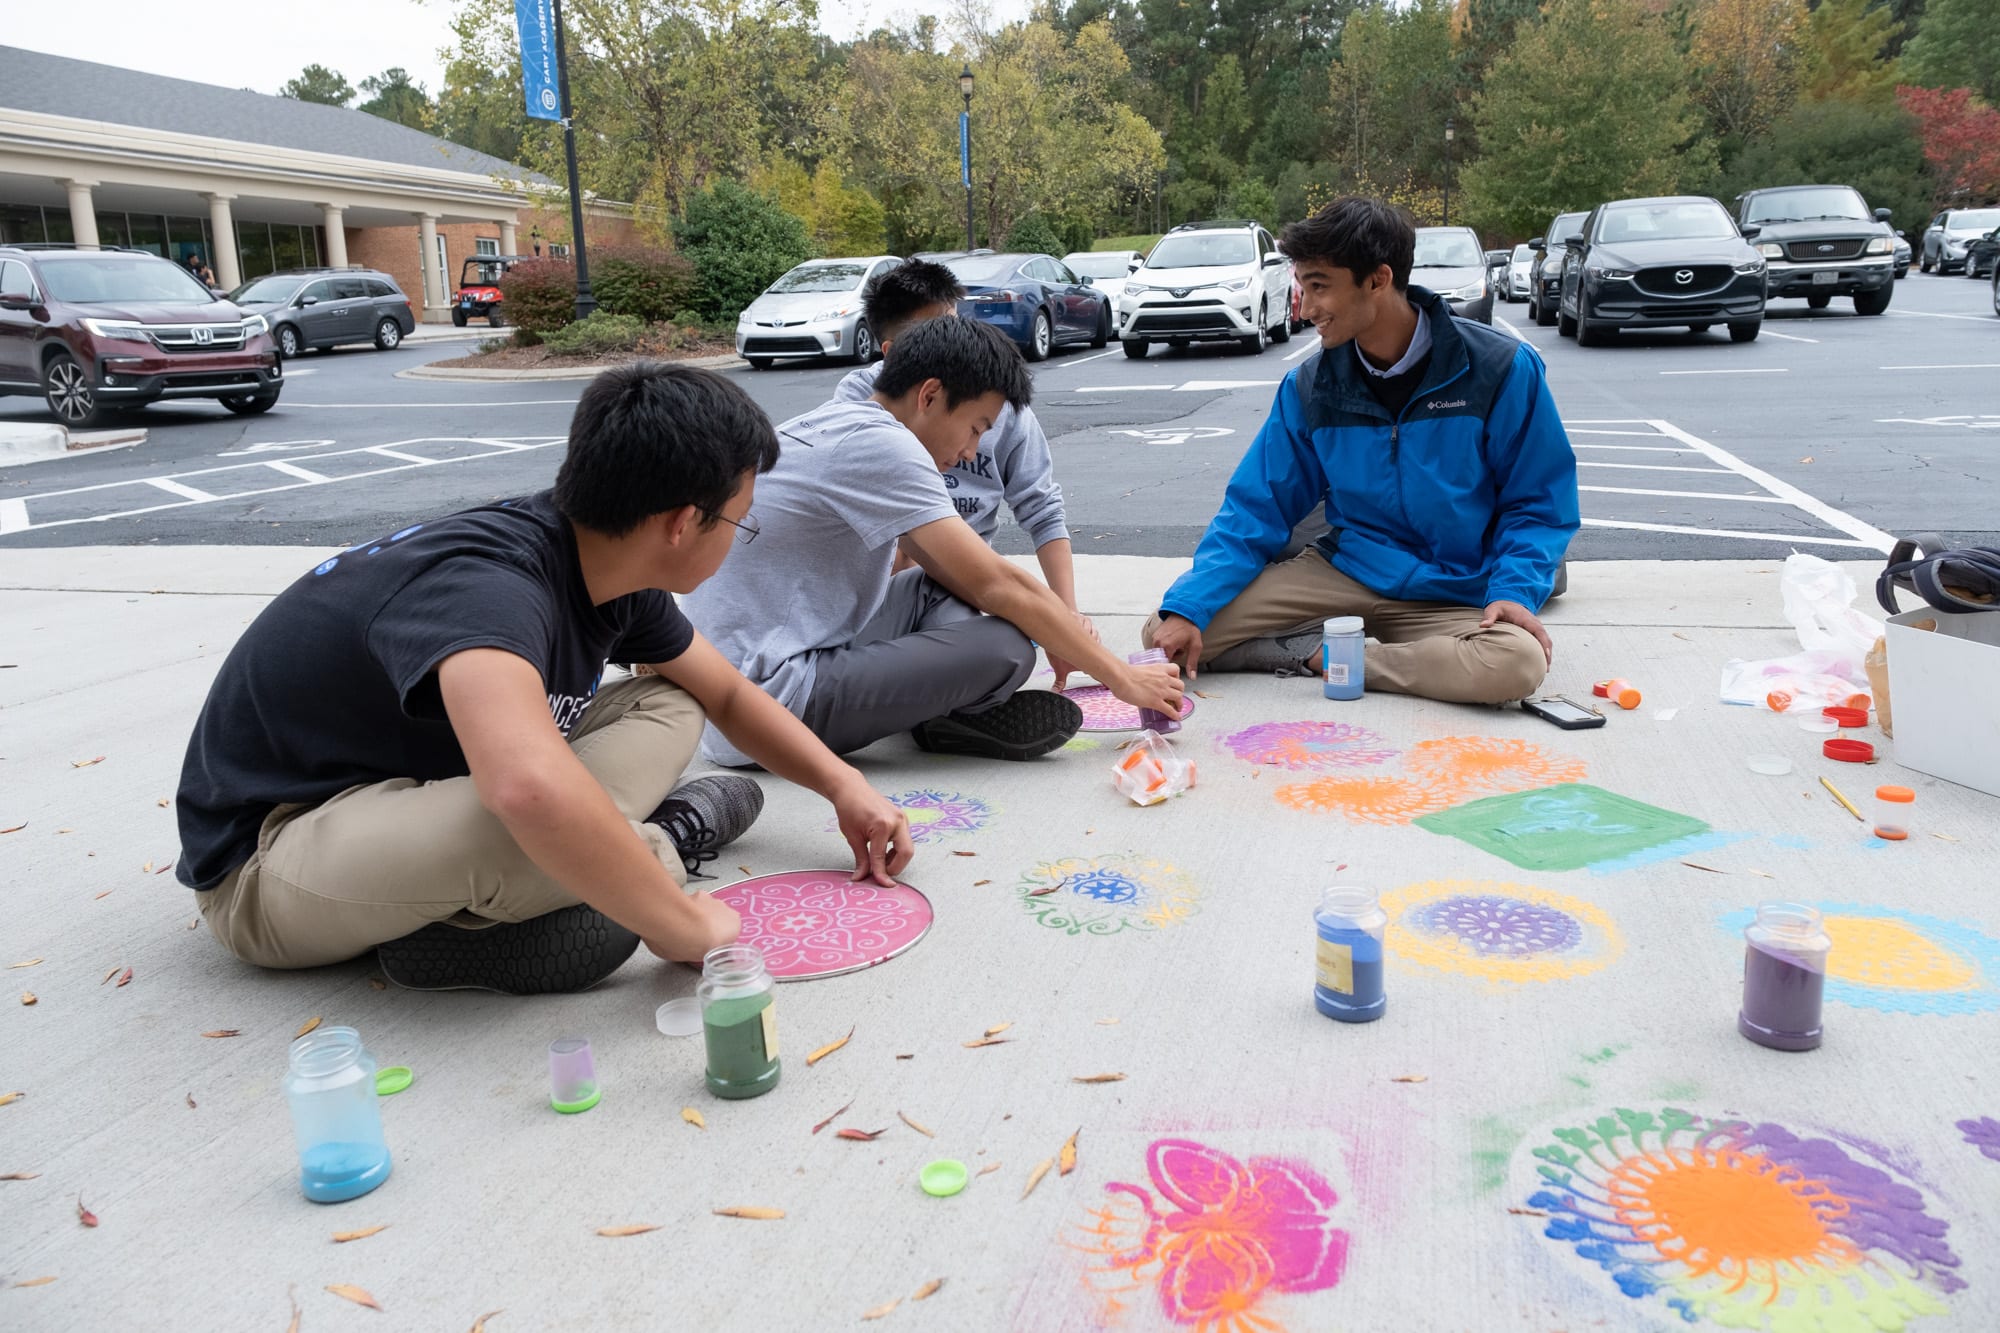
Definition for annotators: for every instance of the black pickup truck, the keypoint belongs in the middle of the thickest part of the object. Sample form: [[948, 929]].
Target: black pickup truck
[[1819, 242]]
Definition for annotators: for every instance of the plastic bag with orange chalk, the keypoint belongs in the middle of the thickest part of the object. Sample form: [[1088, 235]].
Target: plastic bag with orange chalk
[[1148, 770]]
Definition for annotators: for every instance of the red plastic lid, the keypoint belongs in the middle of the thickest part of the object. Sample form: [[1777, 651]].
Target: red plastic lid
[[1847, 717], [1848, 752]]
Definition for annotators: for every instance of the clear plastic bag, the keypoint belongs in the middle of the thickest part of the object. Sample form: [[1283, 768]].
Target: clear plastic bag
[[1149, 771], [1818, 599]]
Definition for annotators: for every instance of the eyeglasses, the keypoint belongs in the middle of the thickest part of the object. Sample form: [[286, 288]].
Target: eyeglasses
[[746, 529]]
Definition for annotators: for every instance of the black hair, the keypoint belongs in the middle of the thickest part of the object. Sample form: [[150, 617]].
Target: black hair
[[1356, 233], [896, 294], [647, 438], [967, 357]]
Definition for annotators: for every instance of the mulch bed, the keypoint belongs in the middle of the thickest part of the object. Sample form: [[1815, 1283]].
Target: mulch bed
[[541, 358]]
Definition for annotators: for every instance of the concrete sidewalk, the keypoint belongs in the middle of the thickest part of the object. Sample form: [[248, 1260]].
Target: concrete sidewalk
[[1554, 1126]]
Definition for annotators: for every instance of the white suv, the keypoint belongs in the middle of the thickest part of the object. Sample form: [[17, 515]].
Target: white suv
[[1206, 281]]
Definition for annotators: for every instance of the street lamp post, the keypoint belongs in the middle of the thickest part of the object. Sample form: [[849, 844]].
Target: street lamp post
[[585, 301], [1447, 170], [965, 149]]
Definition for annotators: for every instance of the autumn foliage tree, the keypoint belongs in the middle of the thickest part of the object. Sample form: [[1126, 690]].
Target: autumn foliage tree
[[1746, 59], [1961, 138]]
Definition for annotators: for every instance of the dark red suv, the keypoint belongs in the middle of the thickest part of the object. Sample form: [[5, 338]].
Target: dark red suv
[[97, 329]]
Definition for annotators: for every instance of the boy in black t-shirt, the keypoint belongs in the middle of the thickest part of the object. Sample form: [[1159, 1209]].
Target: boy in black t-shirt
[[409, 749]]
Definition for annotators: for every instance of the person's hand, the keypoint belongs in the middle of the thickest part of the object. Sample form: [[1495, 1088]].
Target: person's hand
[[1180, 640], [1513, 613], [875, 829], [1155, 685], [1064, 669]]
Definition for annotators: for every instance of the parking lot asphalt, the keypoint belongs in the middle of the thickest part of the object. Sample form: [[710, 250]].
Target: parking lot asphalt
[[1830, 433]]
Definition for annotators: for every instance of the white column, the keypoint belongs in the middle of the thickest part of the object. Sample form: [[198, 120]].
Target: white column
[[427, 235], [82, 212], [336, 235], [507, 238], [222, 239]]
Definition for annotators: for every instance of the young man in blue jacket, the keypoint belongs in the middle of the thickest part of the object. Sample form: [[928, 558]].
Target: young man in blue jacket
[[1448, 480]]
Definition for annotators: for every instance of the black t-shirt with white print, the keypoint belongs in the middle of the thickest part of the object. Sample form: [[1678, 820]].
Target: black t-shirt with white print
[[335, 684]]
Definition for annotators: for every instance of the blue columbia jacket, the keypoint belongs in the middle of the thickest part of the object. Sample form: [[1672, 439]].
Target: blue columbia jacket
[[1468, 497]]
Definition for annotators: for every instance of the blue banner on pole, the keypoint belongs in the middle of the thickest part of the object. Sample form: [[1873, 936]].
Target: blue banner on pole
[[538, 58], [965, 148]]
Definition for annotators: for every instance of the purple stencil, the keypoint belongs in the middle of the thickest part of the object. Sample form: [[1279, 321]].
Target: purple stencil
[[1508, 927], [1105, 711]]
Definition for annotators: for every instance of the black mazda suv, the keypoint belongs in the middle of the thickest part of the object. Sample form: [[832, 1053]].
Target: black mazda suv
[[1660, 263]]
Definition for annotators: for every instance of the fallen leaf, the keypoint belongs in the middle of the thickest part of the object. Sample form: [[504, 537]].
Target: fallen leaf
[[36, 962], [1087, 832], [163, 802], [292, 1295], [1761, 874], [830, 1119], [99, 897], [989, 1169], [985, 1041], [165, 866], [1099, 1078], [7, 1098], [376, 982], [693, 1117], [914, 1125], [144, 869], [1710, 869], [1035, 1176], [85, 763], [479, 1324], [16, 829], [59, 832], [859, 1135], [1807, 459], [1197, 694], [635, 1229], [342, 1237], [194, 923], [828, 1049], [349, 1292], [34, 1281], [1411, 1078], [965, 853], [997, 1029], [744, 869], [754, 1214], [981, 883], [911, 1056], [1944, 836], [83, 1214], [881, 1310], [1068, 1158], [928, 1290], [190, 1101], [124, 979], [224, 1032], [28, 997], [1107, 1022], [1527, 1212], [306, 1027], [22, 1175], [1045, 892]]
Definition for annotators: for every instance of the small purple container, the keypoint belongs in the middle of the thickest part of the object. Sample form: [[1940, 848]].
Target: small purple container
[[1153, 719]]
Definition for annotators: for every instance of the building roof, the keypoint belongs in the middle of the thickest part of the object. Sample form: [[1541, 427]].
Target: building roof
[[59, 86]]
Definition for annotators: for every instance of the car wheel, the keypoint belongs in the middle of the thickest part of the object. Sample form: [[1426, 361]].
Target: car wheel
[[1587, 333], [1281, 332], [1544, 316], [1818, 302], [1253, 343], [1103, 334], [1996, 290], [1924, 264], [388, 335], [289, 344], [251, 404], [496, 318], [1136, 348], [1872, 303], [1565, 326], [864, 344], [1040, 338], [70, 395], [759, 362], [1745, 331]]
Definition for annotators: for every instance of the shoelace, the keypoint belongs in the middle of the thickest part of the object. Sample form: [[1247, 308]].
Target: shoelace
[[691, 836]]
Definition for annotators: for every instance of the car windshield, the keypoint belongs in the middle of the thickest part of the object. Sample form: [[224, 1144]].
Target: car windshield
[[984, 270], [1203, 249], [1447, 249], [1111, 264], [820, 278], [1975, 219], [482, 273], [1694, 221], [1522, 254], [1566, 226], [273, 289], [1820, 204], [90, 280]]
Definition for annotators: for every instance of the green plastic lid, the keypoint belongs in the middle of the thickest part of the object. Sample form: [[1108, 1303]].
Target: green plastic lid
[[572, 1108], [390, 1081], [943, 1178]]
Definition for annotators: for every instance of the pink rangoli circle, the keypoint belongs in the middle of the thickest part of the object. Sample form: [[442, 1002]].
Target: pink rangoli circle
[[813, 923], [1105, 711]]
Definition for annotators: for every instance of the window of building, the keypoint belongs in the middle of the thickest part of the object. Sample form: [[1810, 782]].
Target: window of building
[[111, 229], [287, 249], [558, 251], [253, 247], [486, 245], [148, 232], [21, 223]]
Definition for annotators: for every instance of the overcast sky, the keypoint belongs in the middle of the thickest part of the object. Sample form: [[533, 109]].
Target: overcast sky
[[261, 43]]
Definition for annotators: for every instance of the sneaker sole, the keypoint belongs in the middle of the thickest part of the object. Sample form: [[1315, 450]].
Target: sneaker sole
[[1027, 726], [567, 950]]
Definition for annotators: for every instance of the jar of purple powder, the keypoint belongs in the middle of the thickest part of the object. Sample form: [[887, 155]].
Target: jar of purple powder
[[1784, 977]]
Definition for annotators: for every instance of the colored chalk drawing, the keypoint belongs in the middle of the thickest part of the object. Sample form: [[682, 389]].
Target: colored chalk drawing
[[1105, 711], [1220, 1246], [1904, 962], [813, 923], [1375, 799], [1561, 828], [1749, 1226], [1438, 774], [1499, 932], [936, 815], [1103, 895], [1983, 1134], [1309, 745], [1484, 764]]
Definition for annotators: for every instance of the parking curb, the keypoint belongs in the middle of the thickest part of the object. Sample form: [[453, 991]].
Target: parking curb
[[719, 361], [34, 442]]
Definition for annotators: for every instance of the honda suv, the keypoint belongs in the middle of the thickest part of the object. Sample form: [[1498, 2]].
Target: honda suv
[[1819, 242], [1206, 281], [325, 307], [97, 328]]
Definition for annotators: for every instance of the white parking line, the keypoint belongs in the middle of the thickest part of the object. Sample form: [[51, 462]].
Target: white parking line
[[1312, 345], [1932, 314], [1658, 467], [1865, 534], [1968, 365], [1752, 370], [1125, 388], [477, 402], [1788, 337], [13, 516], [1504, 323], [1083, 360], [172, 487], [1639, 448], [1210, 386], [1782, 538], [1690, 495], [294, 470], [1578, 430]]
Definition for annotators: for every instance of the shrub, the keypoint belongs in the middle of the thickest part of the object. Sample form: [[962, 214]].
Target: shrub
[[1033, 232], [740, 242], [540, 295], [640, 280], [598, 335]]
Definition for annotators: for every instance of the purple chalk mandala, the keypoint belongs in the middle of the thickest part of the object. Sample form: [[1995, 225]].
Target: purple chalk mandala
[[1309, 745]]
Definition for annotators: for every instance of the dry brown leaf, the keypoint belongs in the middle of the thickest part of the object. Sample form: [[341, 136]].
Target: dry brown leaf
[[165, 866], [347, 1291], [36, 962], [1710, 869], [1679, 635], [830, 1119], [985, 1041], [965, 853], [108, 975], [22, 1175], [988, 1169], [224, 1032], [1067, 1162], [693, 1117], [1761, 874], [479, 1324], [635, 1229], [911, 1056], [194, 923], [124, 978], [291, 1294], [1044, 892], [980, 884], [85, 763], [100, 897], [1035, 1176], [928, 1290], [28, 997], [754, 1214], [190, 1101], [145, 869], [828, 1049], [1527, 1212], [1946, 837], [744, 869], [914, 1125], [16, 829], [60, 831], [8, 1098], [34, 1281], [1198, 694], [1099, 1078], [1807, 459], [342, 1237], [1411, 1078], [881, 1310], [376, 982], [163, 803], [306, 1027], [997, 1029], [859, 1135]]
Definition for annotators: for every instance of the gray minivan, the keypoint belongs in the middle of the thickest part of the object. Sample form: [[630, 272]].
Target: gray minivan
[[326, 307]]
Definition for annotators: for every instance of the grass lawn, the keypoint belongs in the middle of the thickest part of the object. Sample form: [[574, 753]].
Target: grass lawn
[[1140, 243]]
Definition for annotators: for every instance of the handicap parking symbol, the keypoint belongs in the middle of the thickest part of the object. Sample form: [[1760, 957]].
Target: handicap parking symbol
[[1176, 434]]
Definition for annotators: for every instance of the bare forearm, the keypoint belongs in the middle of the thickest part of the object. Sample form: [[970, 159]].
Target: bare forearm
[[1059, 569]]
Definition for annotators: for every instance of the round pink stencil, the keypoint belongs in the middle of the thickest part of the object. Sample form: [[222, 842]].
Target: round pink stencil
[[1105, 711], [813, 923]]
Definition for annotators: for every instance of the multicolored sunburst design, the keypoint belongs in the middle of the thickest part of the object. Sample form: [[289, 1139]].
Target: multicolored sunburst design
[[1488, 764], [1750, 1226], [936, 815], [1904, 962], [1509, 933], [1437, 774], [1309, 745], [1103, 895], [1221, 1241], [1373, 799]]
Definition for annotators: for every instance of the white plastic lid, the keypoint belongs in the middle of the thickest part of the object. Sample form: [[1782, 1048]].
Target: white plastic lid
[[1770, 765], [1343, 625], [679, 1018]]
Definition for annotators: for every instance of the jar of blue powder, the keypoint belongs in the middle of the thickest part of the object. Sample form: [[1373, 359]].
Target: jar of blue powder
[[336, 1116], [1342, 657], [1348, 956]]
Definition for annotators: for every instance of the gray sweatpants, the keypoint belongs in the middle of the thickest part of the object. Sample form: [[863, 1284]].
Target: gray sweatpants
[[922, 655]]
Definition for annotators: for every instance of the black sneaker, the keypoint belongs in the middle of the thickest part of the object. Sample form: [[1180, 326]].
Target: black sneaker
[[707, 815], [570, 949], [1027, 726]]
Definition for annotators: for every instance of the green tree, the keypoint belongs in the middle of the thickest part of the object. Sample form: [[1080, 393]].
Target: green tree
[[317, 83], [393, 95], [1033, 233], [740, 242], [1957, 46], [1845, 53], [1745, 55], [1393, 87], [1869, 145], [841, 219], [1585, 106]]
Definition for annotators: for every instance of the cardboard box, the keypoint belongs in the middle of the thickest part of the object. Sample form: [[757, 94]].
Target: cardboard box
[[1941, 689]]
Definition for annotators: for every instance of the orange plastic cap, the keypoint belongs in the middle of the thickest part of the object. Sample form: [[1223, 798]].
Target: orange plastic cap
[[1895, 795]]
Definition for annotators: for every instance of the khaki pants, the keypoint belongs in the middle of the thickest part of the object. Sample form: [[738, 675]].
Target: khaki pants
[[1431, 649], [329, 882]]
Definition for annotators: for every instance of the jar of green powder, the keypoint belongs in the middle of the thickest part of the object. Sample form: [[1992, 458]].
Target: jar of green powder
[[739, 1019]]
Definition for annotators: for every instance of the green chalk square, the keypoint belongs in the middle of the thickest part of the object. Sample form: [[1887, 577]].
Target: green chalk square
[[1565, 827]]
